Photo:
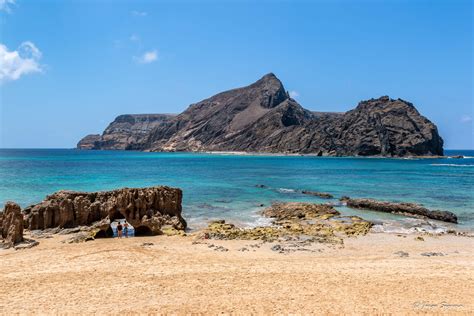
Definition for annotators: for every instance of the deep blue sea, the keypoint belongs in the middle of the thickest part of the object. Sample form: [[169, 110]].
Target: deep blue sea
[[224, 186]]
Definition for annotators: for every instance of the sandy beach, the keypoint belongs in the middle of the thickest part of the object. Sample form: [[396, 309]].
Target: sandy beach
[[377, 273]]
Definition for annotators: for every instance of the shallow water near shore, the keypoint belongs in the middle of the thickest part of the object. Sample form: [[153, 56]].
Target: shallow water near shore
[[225, 186]]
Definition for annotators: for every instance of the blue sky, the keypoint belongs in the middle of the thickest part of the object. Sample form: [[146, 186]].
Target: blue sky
[[69, 67]]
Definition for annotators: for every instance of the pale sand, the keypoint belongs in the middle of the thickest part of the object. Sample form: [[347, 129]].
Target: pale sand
[[178, 277]]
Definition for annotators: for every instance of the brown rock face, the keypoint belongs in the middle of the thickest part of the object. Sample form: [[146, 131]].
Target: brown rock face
[[263, 118], [401, 208], [89, 142], [147, 209], [11, 223], [124, 132]]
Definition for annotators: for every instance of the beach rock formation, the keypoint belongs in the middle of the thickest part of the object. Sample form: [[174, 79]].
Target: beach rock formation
[[400, 208], [146, 209], [297, 210], [294, 220], [124, 132], [11, 225], [262, 117]]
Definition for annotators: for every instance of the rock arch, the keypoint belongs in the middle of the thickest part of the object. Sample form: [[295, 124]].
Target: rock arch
[[149, 208]]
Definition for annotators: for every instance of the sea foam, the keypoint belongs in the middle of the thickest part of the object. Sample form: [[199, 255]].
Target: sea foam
[[451, 165]]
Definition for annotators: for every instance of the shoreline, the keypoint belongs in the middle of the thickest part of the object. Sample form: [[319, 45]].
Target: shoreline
[[274, 154], [375, 273]]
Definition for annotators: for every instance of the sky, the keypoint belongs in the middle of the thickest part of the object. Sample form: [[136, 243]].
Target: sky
[[68, 68]]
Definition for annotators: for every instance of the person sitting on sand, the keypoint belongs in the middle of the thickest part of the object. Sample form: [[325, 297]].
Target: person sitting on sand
[[125, 229], [119, 230]]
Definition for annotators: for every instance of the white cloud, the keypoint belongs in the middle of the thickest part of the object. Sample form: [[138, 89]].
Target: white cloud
[[24, 60], [466, 119], [147, 57], [294, 94], [137, 13], [5, 5]]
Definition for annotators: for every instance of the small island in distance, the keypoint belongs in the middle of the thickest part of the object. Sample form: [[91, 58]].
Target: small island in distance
[[263, 118]]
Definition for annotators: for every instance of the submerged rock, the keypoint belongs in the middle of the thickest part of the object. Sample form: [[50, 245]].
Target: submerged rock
[[11, 225], [146, 209], [400, 208], [323, 195]]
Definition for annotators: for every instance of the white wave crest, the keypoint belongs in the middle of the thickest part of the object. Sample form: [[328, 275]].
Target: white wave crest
[[283, 190], [450, 165]]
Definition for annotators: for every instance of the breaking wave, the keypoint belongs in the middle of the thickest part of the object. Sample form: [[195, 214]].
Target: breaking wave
[[283, 190], [450, 165]]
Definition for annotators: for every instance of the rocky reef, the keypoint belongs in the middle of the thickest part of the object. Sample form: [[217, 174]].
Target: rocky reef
[[11, 225], [410, 209], [146, 209], [323, 195], [262, 117], [294, 220], [124, 132]]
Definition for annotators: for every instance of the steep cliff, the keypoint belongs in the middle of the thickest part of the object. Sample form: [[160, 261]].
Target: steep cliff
[[263, 118], [124, 131]]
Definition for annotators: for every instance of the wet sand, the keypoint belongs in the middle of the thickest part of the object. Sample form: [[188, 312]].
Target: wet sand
[[177, 276]]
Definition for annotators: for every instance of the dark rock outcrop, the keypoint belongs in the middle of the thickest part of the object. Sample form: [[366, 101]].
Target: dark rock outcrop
[[11, 225], [124, 132], [323, 195], [146, 209], [400, 208], [263, 118]]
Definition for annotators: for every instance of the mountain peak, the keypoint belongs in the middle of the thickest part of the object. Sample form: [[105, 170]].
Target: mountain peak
[[270, 78], [270, 89], [270, 75]]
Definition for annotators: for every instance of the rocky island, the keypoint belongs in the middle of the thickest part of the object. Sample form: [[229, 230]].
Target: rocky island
[[263, 118]]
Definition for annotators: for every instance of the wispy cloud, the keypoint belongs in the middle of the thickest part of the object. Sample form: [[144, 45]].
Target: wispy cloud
[[5, 5], [134, 38], [294, 94], [466, 119], [137, 13], [24, 60], [147, 57]]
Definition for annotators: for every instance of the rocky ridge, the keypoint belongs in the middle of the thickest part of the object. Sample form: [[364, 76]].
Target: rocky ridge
[[409, 209], [262, 117]]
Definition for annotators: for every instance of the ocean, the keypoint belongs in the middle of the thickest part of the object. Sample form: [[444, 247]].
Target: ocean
[[217, 186]]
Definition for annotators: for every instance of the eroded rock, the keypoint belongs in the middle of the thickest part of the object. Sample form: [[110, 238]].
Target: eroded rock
[[146, 209], [11, 223], [294, 221]]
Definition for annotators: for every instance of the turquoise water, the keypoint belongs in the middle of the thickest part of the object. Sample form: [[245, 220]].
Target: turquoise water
[[224, 186]]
